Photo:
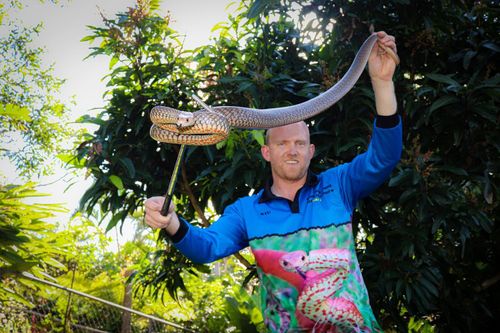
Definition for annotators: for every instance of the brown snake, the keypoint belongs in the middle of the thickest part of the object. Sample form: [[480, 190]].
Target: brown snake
[[205, 127]]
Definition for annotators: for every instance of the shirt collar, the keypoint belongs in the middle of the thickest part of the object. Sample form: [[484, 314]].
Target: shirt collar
[[268, 195]]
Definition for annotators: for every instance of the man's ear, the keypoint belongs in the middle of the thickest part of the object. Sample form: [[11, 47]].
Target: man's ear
[[312, 149], [264, 150]]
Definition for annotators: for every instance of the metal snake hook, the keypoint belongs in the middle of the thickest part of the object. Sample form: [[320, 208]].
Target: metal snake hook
[[175, 171], [173, 181]]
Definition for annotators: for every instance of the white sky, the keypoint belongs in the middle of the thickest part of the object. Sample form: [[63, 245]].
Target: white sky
[[64, 27]]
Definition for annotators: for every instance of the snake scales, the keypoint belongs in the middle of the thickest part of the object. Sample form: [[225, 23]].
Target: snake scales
[[324, 272], [206, 127]]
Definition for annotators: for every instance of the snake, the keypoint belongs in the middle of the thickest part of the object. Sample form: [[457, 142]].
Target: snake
[[207, 127], [324, 272]]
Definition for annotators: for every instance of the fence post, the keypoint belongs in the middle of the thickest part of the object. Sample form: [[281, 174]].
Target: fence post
[[67, 324], [127, 302]]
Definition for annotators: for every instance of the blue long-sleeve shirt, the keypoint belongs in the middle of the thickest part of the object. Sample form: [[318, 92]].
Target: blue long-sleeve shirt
[[288, 239]]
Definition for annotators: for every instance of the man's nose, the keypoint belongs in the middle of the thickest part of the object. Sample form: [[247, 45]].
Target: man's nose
[[292, 150]]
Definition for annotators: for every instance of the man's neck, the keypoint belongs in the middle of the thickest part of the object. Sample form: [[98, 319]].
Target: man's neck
[[287, 189]]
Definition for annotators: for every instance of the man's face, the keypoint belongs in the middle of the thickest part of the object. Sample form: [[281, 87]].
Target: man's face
[[289, 151]]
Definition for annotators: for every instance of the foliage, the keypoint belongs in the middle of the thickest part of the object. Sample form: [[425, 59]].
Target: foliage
[[213, 302], [147, 67], [31, 130], [27, 242], [433, 229], [243, 311], [428, 241], [83, 310], [31, 115], [92, 269]]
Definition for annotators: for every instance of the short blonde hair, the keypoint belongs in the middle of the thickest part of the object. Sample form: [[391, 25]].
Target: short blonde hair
[[268, 134]]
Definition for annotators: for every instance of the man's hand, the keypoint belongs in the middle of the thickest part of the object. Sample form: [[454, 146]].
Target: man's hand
[[154, 218], [380, 65]]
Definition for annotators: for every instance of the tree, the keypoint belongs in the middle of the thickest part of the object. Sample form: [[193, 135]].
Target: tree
[[31, 114], [427, 240], [27, 243]]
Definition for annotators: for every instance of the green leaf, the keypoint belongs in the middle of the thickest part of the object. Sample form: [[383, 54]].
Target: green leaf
[[13, 258], [113, 62], [128, 165], [7, 293], [114, 221], [452, 169], [117, 181], [407, 195], [244, 86], [408, 293], [256, 8], [492, 46], [23, 266], [468, 58], [154, 5], [431, 288], [89, 38], [486, 113], [15, 112], [221, 144], [71, 160], [258, 135], [54, 263], [436, 224], [401, 177], [443, 79], [91, 120], [441, 102], [219, 26]]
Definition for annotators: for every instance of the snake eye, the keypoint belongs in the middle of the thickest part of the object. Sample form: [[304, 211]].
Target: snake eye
[[285, 263], [184, 120], [303, 258]]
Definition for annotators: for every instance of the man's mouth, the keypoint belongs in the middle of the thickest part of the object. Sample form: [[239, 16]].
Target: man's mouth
[[291, 162]]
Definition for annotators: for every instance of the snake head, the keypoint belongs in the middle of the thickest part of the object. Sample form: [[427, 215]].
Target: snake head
[[294, 262], [184, 119]]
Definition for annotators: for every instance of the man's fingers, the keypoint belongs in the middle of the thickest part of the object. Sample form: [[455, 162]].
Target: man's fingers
[[388, 41], [151, 222], [390, 44], [154, 219], [391, 53], [154, 203], [387, 45]]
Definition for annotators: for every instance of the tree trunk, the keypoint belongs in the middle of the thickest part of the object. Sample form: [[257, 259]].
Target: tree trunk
[[127, 302]]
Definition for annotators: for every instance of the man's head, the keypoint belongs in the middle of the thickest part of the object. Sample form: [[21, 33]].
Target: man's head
[[289, 150]]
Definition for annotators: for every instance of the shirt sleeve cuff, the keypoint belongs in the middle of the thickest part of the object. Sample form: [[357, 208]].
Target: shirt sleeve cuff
[[181, 232], [387, 121]]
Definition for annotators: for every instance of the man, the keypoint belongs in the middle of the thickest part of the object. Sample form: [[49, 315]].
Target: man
[[299, 225]]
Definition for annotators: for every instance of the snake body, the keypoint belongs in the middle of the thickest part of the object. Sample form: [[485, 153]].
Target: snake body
[[208, 127], [324, 273]]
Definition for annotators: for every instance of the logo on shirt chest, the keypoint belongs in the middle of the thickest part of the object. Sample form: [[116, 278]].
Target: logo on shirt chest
[[265, 213], [318, 194]]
